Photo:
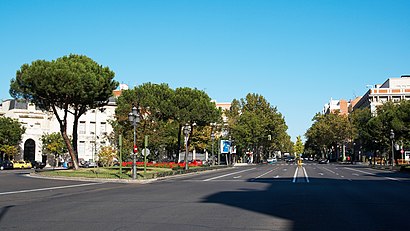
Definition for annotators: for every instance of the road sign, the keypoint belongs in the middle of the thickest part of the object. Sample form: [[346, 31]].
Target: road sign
[[145, 150], [135, 149]]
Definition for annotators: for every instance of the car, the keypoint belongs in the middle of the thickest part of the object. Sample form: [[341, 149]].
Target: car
[[323, 161], [21, 164], [6, 164], [272, 160], [290, 159], [38, 165]]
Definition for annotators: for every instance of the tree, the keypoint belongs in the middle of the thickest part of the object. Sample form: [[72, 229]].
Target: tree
[[11, 132], [107, 155], [163, 113], [299, 147], [328, 131], [73, 84], [54, 144], [257, 126]]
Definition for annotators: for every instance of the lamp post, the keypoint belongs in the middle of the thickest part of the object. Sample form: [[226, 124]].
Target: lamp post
[[134, 118], [392, 147], [187, 131], [213, 139]]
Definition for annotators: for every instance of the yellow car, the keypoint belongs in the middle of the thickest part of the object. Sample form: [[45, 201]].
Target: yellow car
[[21, 164]]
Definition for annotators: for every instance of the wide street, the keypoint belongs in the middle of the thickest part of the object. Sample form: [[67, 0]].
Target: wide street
[[258, 197]]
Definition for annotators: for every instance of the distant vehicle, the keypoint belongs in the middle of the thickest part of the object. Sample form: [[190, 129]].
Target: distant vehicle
[[38, 164], [290, 159], [88, 164], [6, 164], [323, 161], [21, 164], [272, 160]]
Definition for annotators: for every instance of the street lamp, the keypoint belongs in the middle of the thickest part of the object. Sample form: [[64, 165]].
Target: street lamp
[[187, 131], [392, 146], [213, 139], [134, 118]]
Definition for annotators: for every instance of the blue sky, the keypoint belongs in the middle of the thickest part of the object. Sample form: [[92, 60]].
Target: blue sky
[[297, 54]]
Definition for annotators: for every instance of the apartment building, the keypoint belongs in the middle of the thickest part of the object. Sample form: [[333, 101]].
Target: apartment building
[[393, 89], [93, 127], [342, 106]]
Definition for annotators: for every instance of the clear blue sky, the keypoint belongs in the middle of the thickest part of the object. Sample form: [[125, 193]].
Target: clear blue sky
[[297, 54]]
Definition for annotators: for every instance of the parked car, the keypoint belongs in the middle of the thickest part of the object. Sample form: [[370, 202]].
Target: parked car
[[323, 161], [38, 165], [21, 164], [290, 159], [6, 164], [272, 160]]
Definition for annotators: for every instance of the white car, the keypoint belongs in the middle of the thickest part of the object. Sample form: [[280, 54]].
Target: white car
[[272, 160]]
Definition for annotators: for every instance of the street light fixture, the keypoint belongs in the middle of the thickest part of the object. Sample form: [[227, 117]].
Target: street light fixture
[[134, 118], [392, 146], [187, 131]]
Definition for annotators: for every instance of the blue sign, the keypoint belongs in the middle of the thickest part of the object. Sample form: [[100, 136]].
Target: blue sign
[[225, 146]]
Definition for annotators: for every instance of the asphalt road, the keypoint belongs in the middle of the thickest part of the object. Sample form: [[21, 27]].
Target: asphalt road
[[259, 197]]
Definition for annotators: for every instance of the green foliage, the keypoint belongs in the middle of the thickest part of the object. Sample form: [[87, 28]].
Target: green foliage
[[163, 112], [255, 125], [107, 155], [73, 83], [53, 144], [329, 130], [11, 132], [299, 147]]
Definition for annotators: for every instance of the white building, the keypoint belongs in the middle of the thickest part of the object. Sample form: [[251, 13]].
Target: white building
[[93, 127], [393, 89]]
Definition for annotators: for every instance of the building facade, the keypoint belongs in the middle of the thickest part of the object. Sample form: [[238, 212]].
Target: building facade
[[93, 127], [393, 89]]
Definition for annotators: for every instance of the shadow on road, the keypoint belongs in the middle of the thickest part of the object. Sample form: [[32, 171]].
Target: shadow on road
[[4, 210], [326, 204]]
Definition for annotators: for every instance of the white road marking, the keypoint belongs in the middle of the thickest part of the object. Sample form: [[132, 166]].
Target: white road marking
[[263, 174], [295, 175], [306, 175], [320, 173], [277, 176], [355, 174], [233, 173], [51, 188], [372, 174], [329, 170], [236, 177]]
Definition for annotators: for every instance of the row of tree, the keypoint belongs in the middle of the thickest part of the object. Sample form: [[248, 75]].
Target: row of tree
[[370, 132], [73, 84]]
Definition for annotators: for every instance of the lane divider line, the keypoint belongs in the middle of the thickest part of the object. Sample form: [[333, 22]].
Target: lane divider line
[[306, 175], [295, 175], [232, 173], [51, 188], [263, 174]]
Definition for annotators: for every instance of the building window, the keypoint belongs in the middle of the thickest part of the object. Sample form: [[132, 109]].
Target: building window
[[81, 127], [81, 148], [92, 127], [103, 128]]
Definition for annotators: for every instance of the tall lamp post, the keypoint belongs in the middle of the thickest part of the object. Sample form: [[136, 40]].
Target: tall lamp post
[[392, 146], [187, 131], [213, 139], [134, 118]]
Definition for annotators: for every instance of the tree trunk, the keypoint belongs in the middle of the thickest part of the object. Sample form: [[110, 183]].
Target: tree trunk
[[75, 135], [70, 149]]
